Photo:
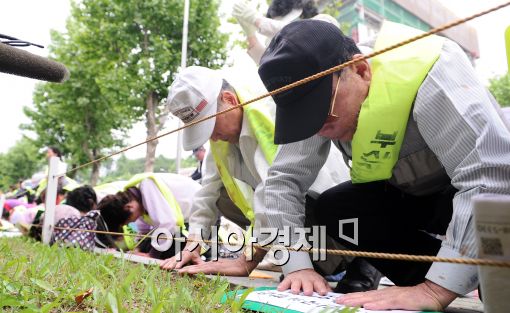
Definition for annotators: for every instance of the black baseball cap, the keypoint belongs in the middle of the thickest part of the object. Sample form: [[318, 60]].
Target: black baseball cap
[[301, 49]]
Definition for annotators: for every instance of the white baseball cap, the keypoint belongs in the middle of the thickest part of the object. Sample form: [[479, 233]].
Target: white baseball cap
[[192, 96]]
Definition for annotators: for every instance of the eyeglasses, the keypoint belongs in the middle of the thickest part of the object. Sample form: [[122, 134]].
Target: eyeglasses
[[333, 100]]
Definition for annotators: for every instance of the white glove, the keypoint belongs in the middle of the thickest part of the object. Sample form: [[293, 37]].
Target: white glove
[[244, 12], [248, 28]]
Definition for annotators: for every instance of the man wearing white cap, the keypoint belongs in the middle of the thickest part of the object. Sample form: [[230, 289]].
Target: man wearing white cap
[[241, 151]]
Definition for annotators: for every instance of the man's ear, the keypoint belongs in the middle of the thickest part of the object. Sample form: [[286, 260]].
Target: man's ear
[[229, 97], [362, 68]]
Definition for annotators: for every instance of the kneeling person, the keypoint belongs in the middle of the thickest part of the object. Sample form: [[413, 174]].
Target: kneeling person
[[151, 201], [241, 151]]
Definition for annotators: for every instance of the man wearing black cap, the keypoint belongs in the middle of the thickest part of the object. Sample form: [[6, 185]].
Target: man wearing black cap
[[422, 136]]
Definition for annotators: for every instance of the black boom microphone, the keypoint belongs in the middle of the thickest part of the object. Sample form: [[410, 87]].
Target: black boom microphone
[[22, 63]]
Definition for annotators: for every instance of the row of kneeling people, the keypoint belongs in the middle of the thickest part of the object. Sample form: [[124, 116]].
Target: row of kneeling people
[[418, 130]]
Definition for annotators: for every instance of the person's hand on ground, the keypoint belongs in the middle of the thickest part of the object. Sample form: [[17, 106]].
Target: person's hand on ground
[[306, 280], [136, 252], [229, 267], [426, 296], [187, 257]]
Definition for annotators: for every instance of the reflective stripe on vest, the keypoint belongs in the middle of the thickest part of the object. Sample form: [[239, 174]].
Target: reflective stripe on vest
[[263, 128], [396, 77], [167, 194]]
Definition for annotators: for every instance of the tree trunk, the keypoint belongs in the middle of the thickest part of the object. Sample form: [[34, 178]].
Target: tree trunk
[[94, 175], [73, 173], [152, 131]]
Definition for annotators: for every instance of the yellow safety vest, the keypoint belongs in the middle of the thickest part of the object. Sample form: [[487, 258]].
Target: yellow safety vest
[[70, 185], [111, 187], [129, 240], [262, 127], [396, 77], [167, 194]]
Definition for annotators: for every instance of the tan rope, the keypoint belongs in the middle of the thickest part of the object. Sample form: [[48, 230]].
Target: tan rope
[[301, 82], [343, 252]]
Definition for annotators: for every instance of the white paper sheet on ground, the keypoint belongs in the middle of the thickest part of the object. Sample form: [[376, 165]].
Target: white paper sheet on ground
[[9, 234], [301, 303]]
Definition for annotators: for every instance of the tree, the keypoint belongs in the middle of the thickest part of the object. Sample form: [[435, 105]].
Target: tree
[[138, 47], [20, 162], [78, 116], [126, 168], [500, 88]]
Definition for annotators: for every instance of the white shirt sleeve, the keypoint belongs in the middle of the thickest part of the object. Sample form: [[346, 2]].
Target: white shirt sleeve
[[256, 50], [294, 170], [183, 188], [157, 207], [204, 211], [457, 119], [269, 27]]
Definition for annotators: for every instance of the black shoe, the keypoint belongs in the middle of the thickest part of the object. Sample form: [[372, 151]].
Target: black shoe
[[359, 276]]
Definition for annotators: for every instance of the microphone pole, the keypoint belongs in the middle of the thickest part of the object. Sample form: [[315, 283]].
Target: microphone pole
[[19, 62]]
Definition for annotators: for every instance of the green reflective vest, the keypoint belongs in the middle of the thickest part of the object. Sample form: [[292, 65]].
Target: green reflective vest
[[111, 187], [68, 184], [262, 127], [167, 194], [396, 77]]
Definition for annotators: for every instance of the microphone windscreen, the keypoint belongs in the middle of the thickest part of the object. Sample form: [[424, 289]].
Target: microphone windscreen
[[22, 63]]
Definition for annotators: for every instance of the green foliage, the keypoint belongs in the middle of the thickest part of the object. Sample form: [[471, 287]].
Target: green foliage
[[137, 45], [237, 304], [122, 56], [77, 116], [20, 162], [125, 168], [39, 278], [332, 8], [500, 88]]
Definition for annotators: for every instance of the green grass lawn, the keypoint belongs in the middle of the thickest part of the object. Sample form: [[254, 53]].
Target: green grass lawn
[[39, 278]]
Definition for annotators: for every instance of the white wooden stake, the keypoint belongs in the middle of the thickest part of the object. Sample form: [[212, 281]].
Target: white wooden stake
[[51, 200]]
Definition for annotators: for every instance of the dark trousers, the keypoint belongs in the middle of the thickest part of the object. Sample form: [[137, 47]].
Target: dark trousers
[[388, 221]]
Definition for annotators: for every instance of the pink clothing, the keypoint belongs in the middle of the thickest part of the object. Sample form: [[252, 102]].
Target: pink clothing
[[12, 203], [21, 214], [65, 211]]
